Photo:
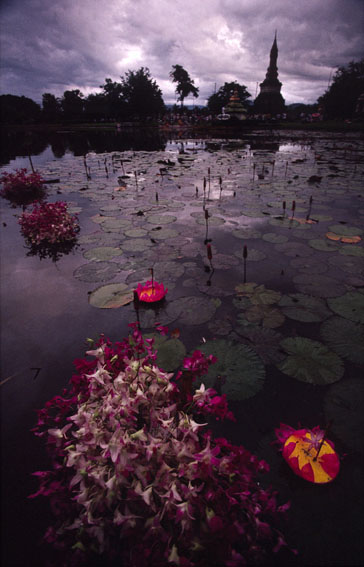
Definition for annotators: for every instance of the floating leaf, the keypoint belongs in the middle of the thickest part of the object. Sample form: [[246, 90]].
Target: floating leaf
[[350, 306], [192, 310], [347, 264], [253, 255], [275, 238], [170, 355], [306, 308], [136, 245], [309, 265], [343, 406], [264, 341], [265, 315], [160, 219], [344, 230], [136, 232], [310, 361], [97, 271], [102, 253], [318, 285], [344, 337], [111, 296], [323, 245], [241, 369], [258, 294], [352, 251], [295, 249], [246, 233], [219, 327]]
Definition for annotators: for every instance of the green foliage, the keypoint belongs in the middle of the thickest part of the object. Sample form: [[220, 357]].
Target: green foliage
[[185, 85], [141, 94], [221, 98], [340, 100], [18, 110], [72, 104], [51, 108]]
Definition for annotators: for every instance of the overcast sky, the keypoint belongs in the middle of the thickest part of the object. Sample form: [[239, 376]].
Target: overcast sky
[[57, 45]]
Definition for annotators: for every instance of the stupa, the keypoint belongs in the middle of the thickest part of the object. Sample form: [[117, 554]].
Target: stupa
[[234, 107], [270, 100]]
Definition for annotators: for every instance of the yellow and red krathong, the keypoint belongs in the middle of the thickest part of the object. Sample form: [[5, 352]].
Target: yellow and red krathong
[[151, 291], [309, 454]]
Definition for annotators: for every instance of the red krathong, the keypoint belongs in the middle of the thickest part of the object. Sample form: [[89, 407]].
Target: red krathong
[[150, 292]]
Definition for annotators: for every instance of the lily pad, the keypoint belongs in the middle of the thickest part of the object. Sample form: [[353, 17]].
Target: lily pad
[[136, 232], [350, 306], [265, 342], [352, 251], [344, 337], [318, 285], [264, 315], [306, 308], [254, 255], [170, 354], [241, 369], [310, 361], [324, 245], [97, 271], [111, 296], [246, 233], [294, 249], [219, 327], [193, 310], [343, 406], [164, 234], [343, 230], [274, 237], [160, 219], [102, 253], [309, 265], [136, 245], [258, 294], [349, 265], [115, 224]]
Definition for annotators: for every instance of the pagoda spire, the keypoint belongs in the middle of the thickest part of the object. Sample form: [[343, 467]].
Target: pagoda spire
[[270, 99]]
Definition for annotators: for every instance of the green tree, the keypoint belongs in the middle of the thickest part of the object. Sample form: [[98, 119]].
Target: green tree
[[141, 94], [72, 104], [220, 99], [18, 110], [51, 108], [115, 105], [340, 100], [185, 85]]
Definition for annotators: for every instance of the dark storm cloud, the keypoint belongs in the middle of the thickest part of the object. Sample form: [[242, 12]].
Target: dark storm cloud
[[51, 47]]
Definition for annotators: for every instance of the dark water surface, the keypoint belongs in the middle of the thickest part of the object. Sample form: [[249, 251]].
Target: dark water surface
[[46, 315]]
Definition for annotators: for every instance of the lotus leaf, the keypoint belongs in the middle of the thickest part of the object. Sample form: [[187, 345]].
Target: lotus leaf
[[352, 251], [136, 245], [213, 221], [305, 308], [323, 245], [241, 369], [192, 310], [310, 361], [258, 294], [253, 255], [349, 265], [102, 253], [343, 406], [309, 265], [264, 315], [164, 234], [115, 224], [160, 219], [246, 233], [97, 271], [136, 232], [111, 296], [170, 354], [342, 230], [294, 249], [275, 238], [350, 306], [318, 285], [265, 342], [219, 327], [344, 337]]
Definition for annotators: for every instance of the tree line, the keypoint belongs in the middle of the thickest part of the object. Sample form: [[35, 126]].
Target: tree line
[[138, 97]]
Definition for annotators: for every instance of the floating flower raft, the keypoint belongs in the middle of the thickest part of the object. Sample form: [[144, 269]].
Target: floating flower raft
[[150, 292]]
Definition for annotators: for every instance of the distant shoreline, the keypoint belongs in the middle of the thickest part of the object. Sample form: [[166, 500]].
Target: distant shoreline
[[244, 127]]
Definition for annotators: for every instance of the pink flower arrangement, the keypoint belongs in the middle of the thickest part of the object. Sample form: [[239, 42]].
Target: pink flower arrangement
[[22, 186], [49, 223], [136, 480], [150, 292]]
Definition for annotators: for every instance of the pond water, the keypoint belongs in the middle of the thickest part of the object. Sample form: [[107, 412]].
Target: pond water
[[286, 322]]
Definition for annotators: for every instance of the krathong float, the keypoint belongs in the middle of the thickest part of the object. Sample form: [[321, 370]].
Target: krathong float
[[151, 291], [309, 454]]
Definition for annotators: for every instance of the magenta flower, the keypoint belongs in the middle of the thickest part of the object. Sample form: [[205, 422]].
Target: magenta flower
[[150, 292]]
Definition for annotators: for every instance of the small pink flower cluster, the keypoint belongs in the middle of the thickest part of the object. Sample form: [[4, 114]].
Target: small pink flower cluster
[[198, 364], [20, 184], [209, 403], [135, 479], [50, 223]]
